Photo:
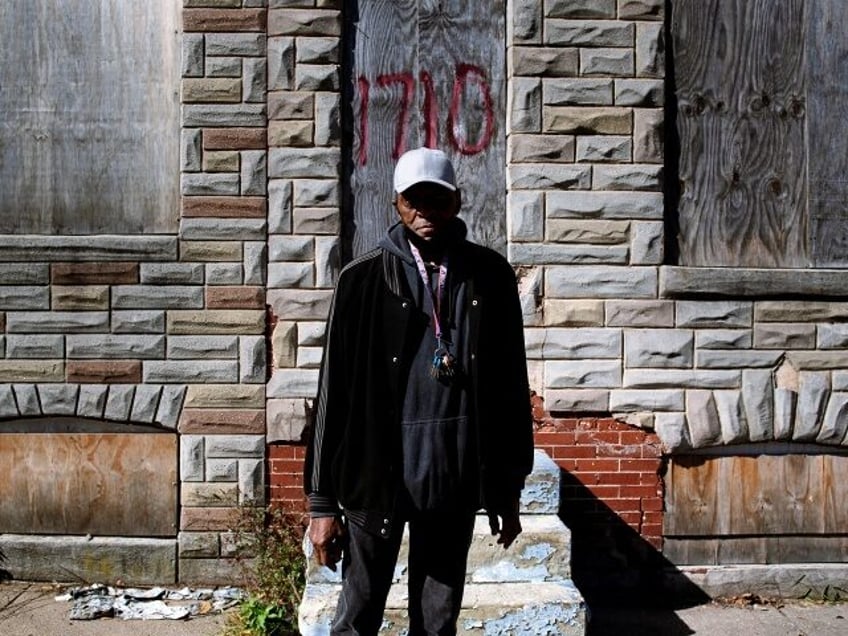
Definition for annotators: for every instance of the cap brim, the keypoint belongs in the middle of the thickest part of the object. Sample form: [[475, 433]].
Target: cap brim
[[403, 187]]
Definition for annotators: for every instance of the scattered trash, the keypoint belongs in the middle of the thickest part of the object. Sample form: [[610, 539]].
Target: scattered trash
[[158, 603], [750, 599]]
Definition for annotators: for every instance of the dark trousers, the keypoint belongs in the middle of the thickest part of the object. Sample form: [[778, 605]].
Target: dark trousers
[[438, 552]]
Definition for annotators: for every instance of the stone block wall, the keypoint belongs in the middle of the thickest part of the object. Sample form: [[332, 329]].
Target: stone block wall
[[224, 227], [304, 139], [167, 329], [612, 328], [584, 167], [216, 332]]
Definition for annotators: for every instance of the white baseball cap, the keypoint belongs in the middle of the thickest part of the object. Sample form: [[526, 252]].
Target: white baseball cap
[[424, 165]]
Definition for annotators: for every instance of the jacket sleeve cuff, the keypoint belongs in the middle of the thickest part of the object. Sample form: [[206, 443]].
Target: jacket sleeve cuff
[[322, 506]]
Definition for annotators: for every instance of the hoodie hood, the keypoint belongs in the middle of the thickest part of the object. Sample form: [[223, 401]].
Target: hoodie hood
[[396, 240]]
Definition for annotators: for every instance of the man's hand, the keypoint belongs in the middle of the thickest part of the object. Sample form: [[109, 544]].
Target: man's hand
[[508, 526], [327, 535]]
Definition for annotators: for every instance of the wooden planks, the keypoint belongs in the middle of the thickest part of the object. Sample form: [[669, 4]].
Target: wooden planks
[[755, 550], [426, 73], [827, 107], [89, 91], [756, 508], [80, 483], [741, 74], [765, 494]]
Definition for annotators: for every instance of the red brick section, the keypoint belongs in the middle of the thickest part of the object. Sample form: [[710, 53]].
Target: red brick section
[[613, 473], [613, 469], [285, 471]]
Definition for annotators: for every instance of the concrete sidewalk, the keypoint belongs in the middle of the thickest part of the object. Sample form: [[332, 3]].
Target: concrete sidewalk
[[30, 609], [794, 618]]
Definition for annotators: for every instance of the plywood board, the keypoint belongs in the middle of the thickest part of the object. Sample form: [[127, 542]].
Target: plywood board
[[89, 91], [755, 550], [425, 74], [757, 495], [99, 484], [740, 69]]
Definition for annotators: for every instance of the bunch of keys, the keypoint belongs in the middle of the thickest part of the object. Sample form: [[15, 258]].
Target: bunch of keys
[[444, 364]]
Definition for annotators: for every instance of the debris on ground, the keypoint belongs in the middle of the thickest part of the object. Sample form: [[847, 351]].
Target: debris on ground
[[158, 603], [749, 599]]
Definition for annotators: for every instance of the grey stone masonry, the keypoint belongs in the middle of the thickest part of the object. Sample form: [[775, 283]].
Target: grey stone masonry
[[144, 403], [224, 319]]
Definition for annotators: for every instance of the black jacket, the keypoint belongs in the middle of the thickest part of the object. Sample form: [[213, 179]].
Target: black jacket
[[354, 451]]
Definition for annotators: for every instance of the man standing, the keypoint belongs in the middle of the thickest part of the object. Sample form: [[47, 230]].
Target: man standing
[[423, 411]]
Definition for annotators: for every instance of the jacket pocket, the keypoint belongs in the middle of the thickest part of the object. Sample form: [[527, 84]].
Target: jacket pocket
[[431, 461]]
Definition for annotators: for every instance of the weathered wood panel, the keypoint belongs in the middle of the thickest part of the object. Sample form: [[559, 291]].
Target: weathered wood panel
[[89, 91], [740, 69], [755, 550], [764, 495], [426, 73], [101, 484], [827, 108]]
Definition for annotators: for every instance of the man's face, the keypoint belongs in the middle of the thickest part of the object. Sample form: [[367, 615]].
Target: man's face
[[426, 208]]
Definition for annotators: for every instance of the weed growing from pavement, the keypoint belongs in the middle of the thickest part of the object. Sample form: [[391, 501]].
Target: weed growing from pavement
[[268, 543]]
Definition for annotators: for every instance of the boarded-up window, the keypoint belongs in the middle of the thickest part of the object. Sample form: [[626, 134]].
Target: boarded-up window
[[67, 475], [89, 100], [761, 104], [758, 508], [425, 74]]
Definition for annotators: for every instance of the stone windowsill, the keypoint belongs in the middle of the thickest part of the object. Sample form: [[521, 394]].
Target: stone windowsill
[[106, 247], [736, 282]]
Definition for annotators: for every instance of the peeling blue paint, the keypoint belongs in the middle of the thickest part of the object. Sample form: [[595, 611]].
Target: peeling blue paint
[[535, 620], [507, 572], [540, 497], [538, 552]]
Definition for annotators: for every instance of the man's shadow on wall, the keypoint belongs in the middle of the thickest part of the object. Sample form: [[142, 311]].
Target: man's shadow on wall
[[629, 586]]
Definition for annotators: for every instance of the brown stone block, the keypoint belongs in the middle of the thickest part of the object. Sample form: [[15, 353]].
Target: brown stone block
[[235, 297], [222, 422], [79, 297], [216, 322], [225, 396], [2, 321], [211, 89], [235, 207], [210, 251], [207, 519], [215, 20], [112, 273], [104, 371], [234, 139], [221, 161], [32, 371], [293, 132]]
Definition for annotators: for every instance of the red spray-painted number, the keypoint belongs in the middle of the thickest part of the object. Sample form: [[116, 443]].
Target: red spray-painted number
[[408, 83], [463, 72], [465, 75]]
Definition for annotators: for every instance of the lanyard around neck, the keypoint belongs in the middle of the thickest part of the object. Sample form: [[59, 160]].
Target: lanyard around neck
[[435, 297]]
